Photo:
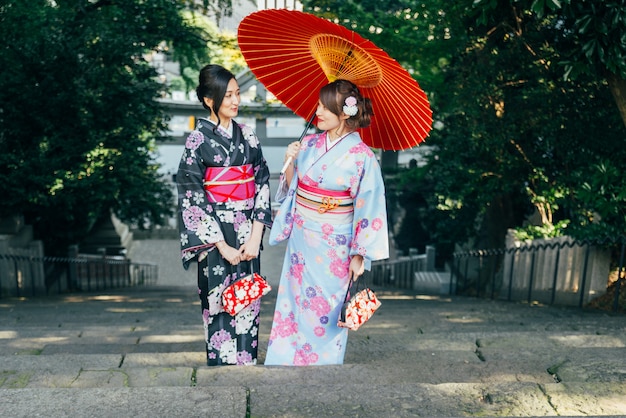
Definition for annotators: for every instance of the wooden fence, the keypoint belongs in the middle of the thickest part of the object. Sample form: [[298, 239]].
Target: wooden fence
[[559, 271]]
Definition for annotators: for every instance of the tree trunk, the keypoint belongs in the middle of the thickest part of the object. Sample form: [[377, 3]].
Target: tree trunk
[[499, 217], [618, 88], [389, 161]]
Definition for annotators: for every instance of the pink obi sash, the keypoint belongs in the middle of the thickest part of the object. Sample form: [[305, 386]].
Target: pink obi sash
[[227, 184], [322, 205]]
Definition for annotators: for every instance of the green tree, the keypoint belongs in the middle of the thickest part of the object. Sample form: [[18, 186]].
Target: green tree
[[594, 41], [537, 133], [583, 53], [592, 37], [601, 201], [78, 116], [220, 48]]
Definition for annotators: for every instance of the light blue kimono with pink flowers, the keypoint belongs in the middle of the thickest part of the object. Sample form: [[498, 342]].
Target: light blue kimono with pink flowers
[[314, 278]]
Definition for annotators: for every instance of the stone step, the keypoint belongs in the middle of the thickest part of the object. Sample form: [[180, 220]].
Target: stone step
[[304, 399], [176, 363], [226, 402]]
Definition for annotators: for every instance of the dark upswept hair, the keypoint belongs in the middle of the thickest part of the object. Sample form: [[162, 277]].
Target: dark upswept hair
[[212, 84], [333, 96]]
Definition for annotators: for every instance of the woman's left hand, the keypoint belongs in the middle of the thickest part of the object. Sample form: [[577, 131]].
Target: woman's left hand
[[250, 249], [357, 267]]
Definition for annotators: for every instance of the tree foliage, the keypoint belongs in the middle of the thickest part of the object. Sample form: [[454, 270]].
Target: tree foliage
[[538, 128], [581, 46], [78, 116], [220, 48], [591, 39]]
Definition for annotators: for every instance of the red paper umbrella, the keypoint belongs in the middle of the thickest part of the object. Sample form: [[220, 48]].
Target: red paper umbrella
[[294, 54]]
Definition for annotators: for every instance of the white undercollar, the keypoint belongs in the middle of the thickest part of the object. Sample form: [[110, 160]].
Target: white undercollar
[[228, 130], [330, 144]]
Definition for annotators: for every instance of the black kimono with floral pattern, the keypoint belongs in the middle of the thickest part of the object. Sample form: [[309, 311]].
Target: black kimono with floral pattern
[[229, 340]]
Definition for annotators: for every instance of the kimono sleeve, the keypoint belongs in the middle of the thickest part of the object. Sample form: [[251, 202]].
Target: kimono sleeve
[[262, 203], [283, 188], [370, 234], [283, 222], [199, 229]]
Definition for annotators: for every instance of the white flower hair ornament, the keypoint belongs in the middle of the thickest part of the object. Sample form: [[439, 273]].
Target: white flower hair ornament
[[350, 108]]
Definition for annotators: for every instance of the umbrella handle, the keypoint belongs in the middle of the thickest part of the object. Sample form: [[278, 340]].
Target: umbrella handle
[[308, 125], [282, 170]]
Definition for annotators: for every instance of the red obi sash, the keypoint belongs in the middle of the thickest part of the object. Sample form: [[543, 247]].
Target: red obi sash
[[227, 184]]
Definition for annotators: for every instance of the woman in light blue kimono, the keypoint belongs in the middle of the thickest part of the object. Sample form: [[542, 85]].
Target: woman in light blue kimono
[[334, 218]]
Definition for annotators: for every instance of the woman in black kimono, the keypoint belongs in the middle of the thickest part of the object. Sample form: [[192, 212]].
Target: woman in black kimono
[[224, 206]]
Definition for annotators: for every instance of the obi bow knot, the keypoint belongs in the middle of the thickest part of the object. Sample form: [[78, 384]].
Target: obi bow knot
[[328, 203]]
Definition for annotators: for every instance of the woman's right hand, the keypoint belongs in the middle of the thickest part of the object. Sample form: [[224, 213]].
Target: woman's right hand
[[230, 254], [290, 155], [292, 151]]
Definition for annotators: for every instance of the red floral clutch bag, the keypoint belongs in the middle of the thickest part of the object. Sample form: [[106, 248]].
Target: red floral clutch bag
[[359, 309], [243, 292]]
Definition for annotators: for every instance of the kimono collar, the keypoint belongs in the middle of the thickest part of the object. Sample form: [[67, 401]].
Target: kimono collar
[[330, 144], [227, 132]]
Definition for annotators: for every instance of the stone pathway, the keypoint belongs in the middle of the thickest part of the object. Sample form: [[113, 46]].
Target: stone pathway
[[139, 352]]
